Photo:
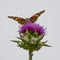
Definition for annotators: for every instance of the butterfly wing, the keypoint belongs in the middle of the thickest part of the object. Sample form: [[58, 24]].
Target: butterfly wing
[[18, 19], [35, 16]]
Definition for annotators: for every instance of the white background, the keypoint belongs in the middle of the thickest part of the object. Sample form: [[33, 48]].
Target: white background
[[26, 8]]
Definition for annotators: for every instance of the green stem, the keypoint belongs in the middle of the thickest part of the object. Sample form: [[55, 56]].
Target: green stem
[[30, 55]]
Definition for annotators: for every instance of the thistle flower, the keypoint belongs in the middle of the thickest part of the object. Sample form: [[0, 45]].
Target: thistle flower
[[31, 37], [32, 28]]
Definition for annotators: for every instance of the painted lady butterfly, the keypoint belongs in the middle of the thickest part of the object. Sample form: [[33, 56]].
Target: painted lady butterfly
[[32, 19]]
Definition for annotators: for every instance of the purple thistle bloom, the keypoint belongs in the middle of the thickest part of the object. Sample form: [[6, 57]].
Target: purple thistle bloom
[[32, 27]]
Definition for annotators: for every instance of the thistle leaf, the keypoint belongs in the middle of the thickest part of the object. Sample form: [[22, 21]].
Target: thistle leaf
[[15, 41], [40, 38], [35, 34], [24, 40], [45, 42], [46, 45], [28, 33]]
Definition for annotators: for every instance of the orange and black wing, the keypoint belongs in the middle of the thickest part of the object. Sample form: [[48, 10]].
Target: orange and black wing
[[18, 19], [35, 16]]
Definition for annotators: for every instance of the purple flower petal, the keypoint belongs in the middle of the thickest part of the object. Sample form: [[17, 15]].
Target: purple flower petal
[[32, 27]]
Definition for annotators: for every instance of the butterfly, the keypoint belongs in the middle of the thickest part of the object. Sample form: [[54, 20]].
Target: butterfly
[[32, 19]]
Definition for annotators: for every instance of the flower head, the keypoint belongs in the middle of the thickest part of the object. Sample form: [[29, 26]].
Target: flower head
[[32, 28]]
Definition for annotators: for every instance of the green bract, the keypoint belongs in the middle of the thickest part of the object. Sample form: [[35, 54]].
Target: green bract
[[31, 42]]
